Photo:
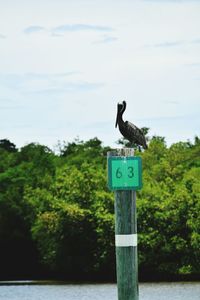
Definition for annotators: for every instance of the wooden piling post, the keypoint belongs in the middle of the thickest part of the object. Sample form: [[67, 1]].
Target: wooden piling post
[[126, 245], [126, 174]]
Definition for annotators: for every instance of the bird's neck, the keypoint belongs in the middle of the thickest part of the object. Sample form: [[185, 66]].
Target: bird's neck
[[120, 118]]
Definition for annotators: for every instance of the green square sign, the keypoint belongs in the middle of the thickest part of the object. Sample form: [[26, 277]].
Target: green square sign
[[124, 173]]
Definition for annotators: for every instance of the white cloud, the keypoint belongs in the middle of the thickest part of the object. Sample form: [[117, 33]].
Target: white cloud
[[33, 29], [46, 84], [105, 39], [2, 36], [60, 30], [81, 27]]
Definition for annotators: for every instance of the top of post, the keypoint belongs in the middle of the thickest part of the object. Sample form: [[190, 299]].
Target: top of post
[[121, 152], [125, 152]]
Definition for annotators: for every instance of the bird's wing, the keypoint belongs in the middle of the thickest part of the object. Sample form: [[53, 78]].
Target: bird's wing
[[135, 127]]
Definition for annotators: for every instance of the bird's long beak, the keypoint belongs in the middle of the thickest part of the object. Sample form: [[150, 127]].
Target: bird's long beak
[[116, 120]]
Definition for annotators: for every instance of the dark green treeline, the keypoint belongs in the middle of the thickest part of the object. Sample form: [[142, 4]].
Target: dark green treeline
[[57, 214]]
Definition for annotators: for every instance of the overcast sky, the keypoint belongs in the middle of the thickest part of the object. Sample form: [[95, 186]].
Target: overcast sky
[[64, 65]]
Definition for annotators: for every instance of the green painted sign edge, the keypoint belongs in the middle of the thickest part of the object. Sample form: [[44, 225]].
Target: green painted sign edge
[[111, 158]]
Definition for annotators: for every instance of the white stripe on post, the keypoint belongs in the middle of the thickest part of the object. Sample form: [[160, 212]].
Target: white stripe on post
[[126, 240]]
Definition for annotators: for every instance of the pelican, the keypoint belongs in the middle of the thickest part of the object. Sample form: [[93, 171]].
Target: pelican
[[129, 130]]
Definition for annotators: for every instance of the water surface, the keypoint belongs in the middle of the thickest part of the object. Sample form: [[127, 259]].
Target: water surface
[[148, 291]]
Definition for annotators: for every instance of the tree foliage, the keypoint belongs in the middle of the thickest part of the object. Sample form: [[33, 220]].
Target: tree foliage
[[57, 214]]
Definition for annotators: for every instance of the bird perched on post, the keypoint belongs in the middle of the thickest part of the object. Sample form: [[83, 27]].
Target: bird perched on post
[[129, 130]]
